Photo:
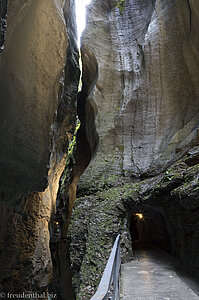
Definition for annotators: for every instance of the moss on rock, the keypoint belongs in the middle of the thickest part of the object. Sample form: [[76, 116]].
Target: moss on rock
[[99, 217]]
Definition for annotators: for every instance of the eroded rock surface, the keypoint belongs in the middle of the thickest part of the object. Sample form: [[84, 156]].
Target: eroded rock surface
[[147, 92], [37, 119]]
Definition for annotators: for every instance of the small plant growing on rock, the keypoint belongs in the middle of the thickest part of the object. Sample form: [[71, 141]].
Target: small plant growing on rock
[[70, 155], [121, 6]]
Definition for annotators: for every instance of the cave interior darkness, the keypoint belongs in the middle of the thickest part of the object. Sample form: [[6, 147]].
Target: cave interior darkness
[[148, 228]]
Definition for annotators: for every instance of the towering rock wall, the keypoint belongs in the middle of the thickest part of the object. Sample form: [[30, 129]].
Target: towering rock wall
[[147, 92], [37, 119], [84, 143], [147, 102]]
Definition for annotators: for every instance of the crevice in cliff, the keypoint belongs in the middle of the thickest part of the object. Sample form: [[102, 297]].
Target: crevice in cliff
[[81, 16], [190, 16], [66, 124], [120, 205], [86, 144], [31, 67], [87, 137]]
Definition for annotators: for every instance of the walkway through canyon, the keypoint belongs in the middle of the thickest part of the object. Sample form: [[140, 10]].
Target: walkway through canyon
[[152, 276]]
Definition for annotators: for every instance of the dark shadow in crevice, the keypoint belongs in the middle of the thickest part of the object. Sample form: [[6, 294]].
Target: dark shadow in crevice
[[87, 137], [85, 148]]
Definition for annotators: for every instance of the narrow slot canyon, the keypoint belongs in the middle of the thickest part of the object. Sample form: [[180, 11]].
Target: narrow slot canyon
[[99, 137]]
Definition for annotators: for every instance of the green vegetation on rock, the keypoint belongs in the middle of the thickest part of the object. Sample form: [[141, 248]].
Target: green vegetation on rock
[[121, 5], [105, 211], [70, 154]]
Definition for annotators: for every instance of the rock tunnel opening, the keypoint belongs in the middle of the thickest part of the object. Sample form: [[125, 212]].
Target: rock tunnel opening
[[148, 228]]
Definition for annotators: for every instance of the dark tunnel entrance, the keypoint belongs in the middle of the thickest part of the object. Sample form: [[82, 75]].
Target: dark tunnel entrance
[[148, 228]]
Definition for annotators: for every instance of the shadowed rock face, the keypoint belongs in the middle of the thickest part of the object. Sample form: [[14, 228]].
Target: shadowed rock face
[[147, 92], [87, 137], [37, 119], [86, 144], [29, 65]]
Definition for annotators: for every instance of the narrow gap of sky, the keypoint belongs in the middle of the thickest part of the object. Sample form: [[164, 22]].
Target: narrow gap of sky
[[81, 16]]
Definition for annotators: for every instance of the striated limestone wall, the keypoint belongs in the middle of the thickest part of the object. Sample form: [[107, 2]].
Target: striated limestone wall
[[147, 91]]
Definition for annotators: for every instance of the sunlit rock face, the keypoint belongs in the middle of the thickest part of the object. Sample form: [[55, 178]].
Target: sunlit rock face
[[147, 92], [37, 119]]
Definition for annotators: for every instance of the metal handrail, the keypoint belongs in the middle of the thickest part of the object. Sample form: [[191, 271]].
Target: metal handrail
[[109, 287]]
